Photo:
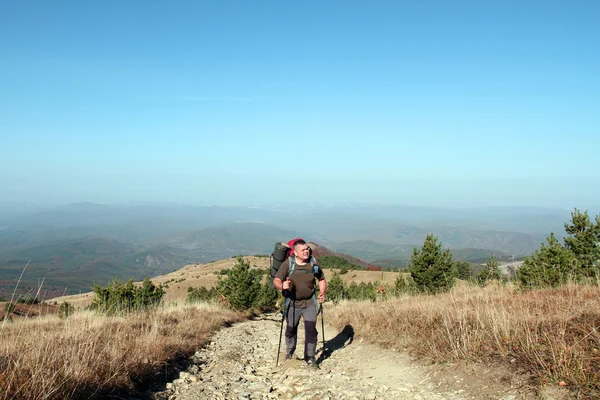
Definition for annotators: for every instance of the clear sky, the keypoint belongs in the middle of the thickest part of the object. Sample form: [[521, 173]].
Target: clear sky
[[215, 101]]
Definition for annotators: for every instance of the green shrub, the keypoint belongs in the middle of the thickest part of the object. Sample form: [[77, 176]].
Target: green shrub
[[336, 289], [463, 270], [550, 266], [577, 260], [200, 294], [118, 297], [65, 310], [491, 272], [240, 287], [404, 285], [362, 291], [222, 272], [337, 262], [267, 298], [28, 300]]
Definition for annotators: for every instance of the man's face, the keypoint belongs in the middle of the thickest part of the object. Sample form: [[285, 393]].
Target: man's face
[[302, 251]]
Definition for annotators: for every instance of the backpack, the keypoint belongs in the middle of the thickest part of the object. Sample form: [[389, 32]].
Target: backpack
[[282, 252]]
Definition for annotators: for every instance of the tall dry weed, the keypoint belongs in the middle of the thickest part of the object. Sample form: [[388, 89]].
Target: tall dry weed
[[88, 355], [552, 333]]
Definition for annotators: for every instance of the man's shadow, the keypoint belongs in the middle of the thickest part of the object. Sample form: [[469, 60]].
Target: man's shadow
[[341, 340]]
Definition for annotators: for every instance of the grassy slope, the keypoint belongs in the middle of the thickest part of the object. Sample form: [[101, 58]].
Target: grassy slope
[[90, 356], [552, 333]]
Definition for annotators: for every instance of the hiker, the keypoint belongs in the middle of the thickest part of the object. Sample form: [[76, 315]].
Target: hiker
[[299, 290]]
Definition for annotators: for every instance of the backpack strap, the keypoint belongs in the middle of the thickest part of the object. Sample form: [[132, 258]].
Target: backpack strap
[[292, 265]]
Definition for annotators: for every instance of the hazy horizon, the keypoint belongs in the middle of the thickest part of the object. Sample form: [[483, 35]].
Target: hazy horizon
[[518, 193], [468, 104]]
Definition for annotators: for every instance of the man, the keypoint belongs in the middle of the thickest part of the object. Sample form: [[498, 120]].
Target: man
[[299, 290]]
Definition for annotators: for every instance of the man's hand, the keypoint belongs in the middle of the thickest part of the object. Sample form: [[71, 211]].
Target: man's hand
[[322, 290], [287, 284]]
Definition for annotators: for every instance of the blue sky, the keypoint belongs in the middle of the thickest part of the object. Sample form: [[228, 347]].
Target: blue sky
[[417, 102]]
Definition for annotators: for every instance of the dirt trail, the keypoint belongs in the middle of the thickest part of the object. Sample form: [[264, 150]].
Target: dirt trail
[[239, 363]]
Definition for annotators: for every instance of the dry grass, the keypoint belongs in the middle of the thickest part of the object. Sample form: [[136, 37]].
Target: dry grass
[[89, 355], [551, 333]]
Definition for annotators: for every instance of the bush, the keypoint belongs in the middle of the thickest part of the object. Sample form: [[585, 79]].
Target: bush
[[336, 289], [577, 260], [491, 272], [200, 294], [118, 297], [240, 287], [65, 310], [463, 270], [404, 285], [266, 299], [583, 241], [337, 262], [361, 291], [222, 272], [28, 300], [550, 266]]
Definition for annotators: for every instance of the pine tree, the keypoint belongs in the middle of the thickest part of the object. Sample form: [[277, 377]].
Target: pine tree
[[552, 265], [584, 242], [432, 268], [266, 298], [491, 271], [463, 270], [404, 285], [65, 310], [240, 287], [148, 295], [336, 289]]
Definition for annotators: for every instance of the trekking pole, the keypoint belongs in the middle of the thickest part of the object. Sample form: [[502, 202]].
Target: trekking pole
[[281, 331], [323, 329]]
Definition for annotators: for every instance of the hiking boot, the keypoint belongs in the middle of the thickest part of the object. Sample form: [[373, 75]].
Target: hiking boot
[[312, 363], [288, 356]]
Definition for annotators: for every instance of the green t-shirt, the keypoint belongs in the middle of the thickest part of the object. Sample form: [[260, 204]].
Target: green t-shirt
[[303, 282]]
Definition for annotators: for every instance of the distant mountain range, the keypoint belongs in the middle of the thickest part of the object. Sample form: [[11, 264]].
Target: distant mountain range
[[72, 246]]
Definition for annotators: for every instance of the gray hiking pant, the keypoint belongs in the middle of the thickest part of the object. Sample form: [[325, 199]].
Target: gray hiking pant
[[310, 330]]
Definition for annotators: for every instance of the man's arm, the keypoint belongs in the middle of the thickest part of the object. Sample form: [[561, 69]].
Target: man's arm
[[278, 284], [322, 290]]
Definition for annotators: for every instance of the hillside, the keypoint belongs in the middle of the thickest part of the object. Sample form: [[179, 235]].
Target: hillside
[[207, 275], [391, 239], [322, 251], [387, 255], [73, 265]]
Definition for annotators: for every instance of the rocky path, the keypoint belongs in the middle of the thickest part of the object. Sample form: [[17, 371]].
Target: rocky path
[[239, 363]]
